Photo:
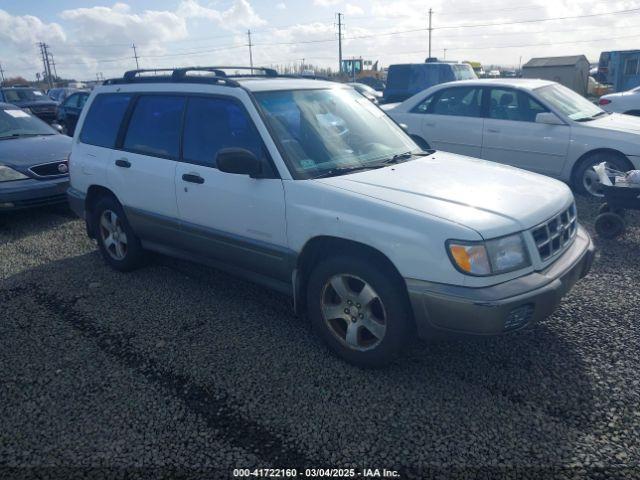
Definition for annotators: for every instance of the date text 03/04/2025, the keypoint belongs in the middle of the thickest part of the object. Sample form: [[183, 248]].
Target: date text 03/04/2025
[[316, 473]]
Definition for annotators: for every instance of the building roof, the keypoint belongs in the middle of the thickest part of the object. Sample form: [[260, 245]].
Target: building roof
[[555, 61]]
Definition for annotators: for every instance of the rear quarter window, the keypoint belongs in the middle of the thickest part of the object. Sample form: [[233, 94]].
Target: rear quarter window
[[103, 119]]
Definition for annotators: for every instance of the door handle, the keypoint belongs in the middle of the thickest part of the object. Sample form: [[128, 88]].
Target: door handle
[[192, 178], [493, 130], [123, 162]]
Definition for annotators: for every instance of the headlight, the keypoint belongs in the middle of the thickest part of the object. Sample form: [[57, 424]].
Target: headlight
[[500, 255], [9, 174]]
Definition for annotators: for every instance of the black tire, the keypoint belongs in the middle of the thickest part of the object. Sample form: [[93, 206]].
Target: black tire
[[421, 142], [604, 208], [614, 160], [390, 291], [609, 225], [134, 255]]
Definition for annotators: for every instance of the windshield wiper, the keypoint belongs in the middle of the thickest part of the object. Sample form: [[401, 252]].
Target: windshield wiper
[[592, 117], [20, 135], [334, 172], [404, 156]]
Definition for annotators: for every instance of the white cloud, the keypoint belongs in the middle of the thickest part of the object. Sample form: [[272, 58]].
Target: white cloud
[[281, 6], [351, 9], [21, 30], [326, 3]]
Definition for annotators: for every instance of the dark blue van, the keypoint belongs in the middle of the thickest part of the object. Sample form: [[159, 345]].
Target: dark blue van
[[405, 80]]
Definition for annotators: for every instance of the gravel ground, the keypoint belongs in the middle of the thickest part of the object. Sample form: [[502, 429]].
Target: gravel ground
[[191, 372]]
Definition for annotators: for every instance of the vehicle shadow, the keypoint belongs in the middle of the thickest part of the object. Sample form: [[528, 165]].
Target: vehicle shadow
[[522, 399]]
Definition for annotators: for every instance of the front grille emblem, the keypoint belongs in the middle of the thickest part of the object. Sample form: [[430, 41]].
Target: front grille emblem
[[62, 168]]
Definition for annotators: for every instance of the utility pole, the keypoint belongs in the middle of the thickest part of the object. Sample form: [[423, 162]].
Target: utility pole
[[53, 62], [135, 54], [445, 54], [1, 74], [250, 50], [340, 42], [45, 63], [430, 29]]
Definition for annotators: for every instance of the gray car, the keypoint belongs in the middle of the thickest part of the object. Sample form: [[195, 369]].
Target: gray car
[[33, 161]]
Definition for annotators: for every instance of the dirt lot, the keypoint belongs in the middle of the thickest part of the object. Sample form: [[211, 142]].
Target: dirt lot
[[190, 370]]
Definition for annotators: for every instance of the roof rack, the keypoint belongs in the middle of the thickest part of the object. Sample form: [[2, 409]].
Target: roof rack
[[181, 75]]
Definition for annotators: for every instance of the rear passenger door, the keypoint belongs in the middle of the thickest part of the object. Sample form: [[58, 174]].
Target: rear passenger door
[[452, 120], [232, 218], [142, 170]]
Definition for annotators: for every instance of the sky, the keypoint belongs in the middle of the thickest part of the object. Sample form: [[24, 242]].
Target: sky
[[88, 38]]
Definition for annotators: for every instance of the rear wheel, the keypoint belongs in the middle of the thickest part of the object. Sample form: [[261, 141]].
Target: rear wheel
[[119, 245], [586, 180], [359, 310], [609, 225]]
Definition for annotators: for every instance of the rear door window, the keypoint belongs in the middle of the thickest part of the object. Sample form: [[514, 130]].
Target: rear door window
[[212, 124], [458, 101], [155, 125], [103, 119]]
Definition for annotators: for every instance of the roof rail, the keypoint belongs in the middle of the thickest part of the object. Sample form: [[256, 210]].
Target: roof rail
[[180, 75]]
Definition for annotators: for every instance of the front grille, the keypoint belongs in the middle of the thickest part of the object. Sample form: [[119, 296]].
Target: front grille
[[53, 169], [553, 236]]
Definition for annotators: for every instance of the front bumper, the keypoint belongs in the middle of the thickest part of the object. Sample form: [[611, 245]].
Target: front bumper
[[30, 193], [500, 308]]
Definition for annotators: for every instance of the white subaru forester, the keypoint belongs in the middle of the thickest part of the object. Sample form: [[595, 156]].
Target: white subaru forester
[[309, 188]]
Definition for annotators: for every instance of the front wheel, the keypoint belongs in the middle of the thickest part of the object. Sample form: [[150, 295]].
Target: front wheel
[[586, 179], [119, 245], [359, 310]]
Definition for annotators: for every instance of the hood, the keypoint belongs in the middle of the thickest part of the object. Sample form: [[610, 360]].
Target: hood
[[490, 198], [22, 153], [616, 121]]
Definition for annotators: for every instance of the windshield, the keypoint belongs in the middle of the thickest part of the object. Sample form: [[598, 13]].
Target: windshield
[[17, 123], [319, 131], [569, 103], [22, 95]]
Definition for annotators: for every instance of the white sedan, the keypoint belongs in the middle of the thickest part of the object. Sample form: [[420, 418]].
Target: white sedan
[[622, 102], [536, 125]]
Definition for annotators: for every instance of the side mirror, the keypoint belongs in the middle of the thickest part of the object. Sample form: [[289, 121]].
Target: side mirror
[[404, 126], [238, 161], [57, 127], [548, 118]]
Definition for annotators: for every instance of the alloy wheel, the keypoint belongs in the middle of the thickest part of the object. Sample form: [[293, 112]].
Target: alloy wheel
[[113, 235], [353, 312]]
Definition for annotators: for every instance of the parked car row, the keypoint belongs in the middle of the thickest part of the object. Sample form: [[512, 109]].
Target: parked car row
[[386, 231]]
